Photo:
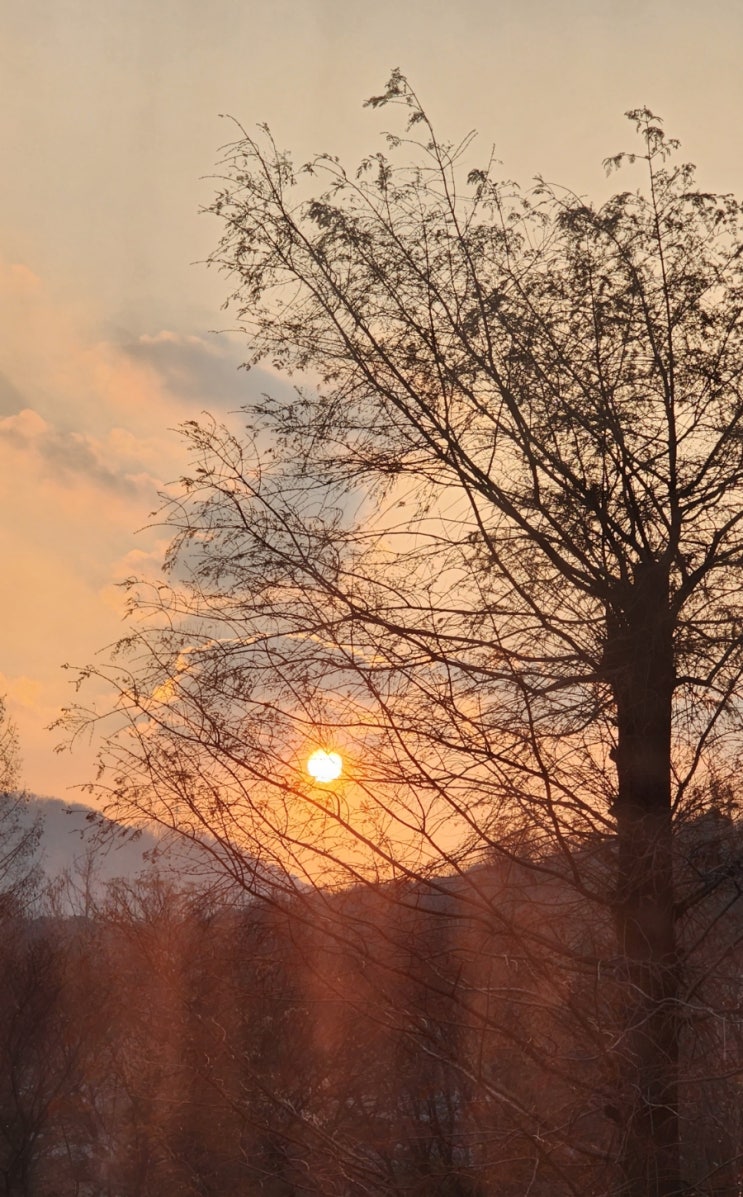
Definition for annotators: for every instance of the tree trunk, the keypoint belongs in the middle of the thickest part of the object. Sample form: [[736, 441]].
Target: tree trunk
[[640, 667]]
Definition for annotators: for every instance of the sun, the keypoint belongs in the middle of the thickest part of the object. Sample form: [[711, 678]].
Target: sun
[[324, 766]]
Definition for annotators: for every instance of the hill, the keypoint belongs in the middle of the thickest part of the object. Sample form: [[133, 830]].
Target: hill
[[76, 842]]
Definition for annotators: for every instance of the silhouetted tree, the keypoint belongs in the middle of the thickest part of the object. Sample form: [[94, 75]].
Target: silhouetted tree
[[490, 549], [20, 831]]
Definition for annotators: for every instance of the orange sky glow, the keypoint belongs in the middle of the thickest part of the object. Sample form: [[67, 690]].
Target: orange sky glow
[[110, 126]]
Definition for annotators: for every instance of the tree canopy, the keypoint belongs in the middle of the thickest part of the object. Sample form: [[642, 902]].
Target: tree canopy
[[490, 551]]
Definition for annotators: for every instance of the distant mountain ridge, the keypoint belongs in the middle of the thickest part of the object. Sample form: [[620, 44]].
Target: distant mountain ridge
[[77, 840], [70, 835]]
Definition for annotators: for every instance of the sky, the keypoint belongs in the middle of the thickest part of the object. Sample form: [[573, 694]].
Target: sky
[[112, 114]]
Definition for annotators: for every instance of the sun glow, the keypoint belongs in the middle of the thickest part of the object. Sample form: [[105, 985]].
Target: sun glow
[[324, 766]]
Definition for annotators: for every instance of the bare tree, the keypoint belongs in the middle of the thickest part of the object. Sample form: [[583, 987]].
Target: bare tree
[[20, 830], [489, 550]]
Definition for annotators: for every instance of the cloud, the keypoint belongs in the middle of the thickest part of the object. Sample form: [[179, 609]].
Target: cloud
[[11, 399], [136, 563], [76, 409], [85, 443], [199, 370], [21, 691], [70, 456], [205, 371], [86, 440]]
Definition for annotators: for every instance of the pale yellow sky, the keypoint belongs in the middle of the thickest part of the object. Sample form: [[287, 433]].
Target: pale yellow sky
[[109, 120]]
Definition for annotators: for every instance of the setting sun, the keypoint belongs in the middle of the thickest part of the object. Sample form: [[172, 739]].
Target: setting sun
[[324, 766]]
